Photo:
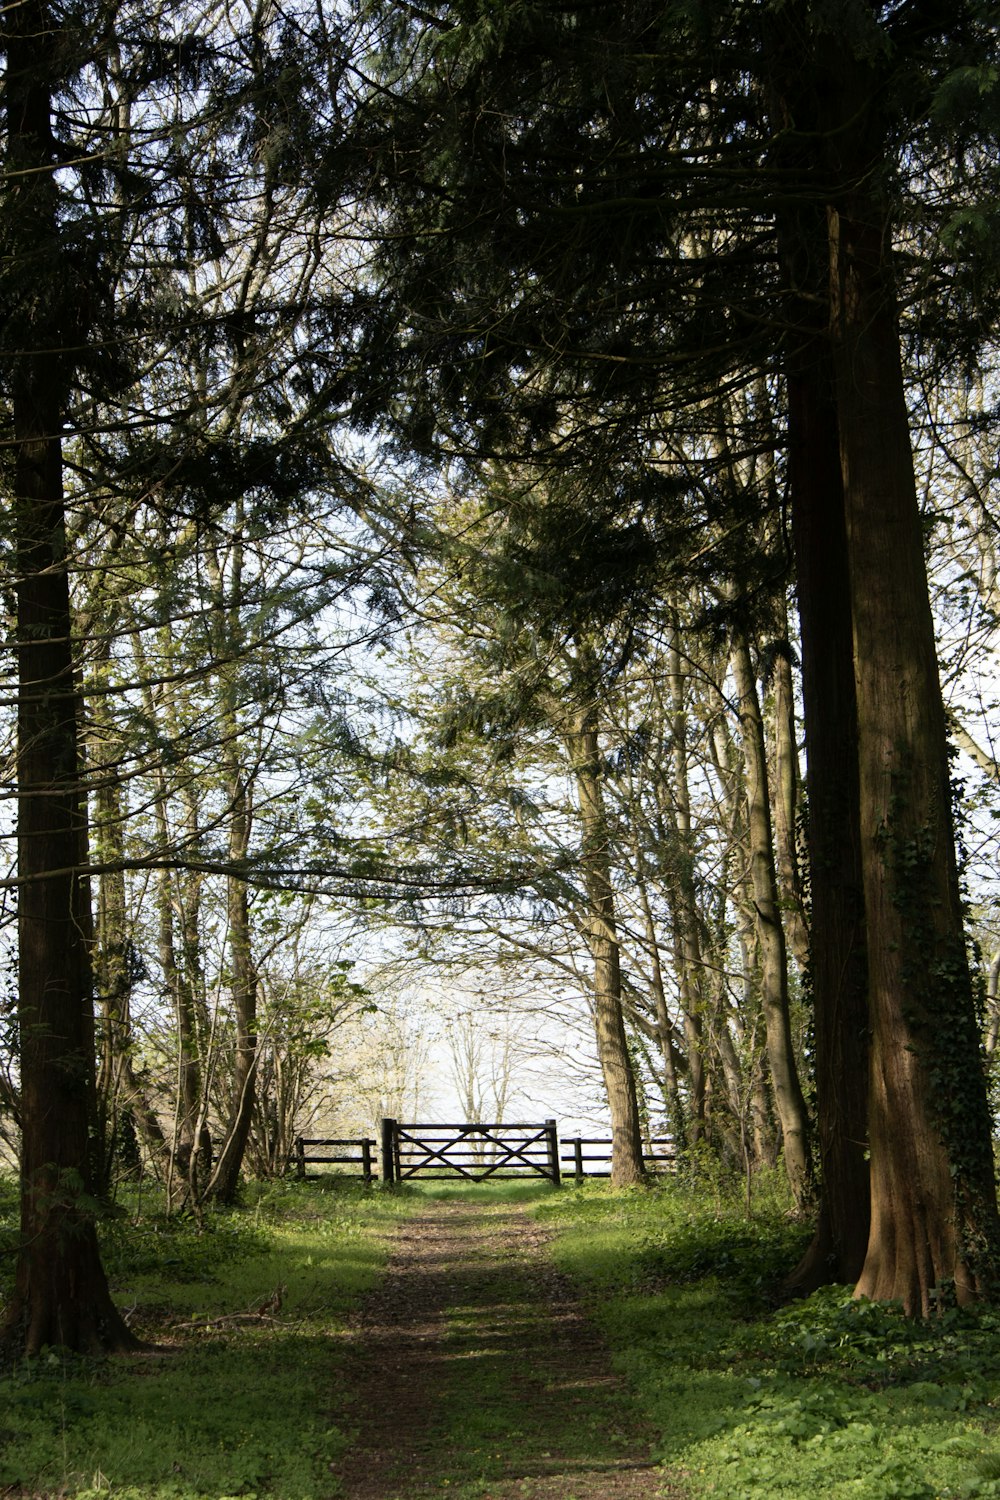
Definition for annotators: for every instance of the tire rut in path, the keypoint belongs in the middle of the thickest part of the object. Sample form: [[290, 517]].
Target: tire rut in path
[[471, 1369]]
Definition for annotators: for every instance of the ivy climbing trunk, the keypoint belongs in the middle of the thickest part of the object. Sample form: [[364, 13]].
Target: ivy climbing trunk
[[61, 1295], [934, 1223], [934, 1217]]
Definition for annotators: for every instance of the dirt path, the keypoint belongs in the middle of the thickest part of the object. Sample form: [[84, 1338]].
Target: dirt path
[[472, 1371]]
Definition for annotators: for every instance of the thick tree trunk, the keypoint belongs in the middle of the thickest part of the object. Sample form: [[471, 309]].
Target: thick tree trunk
[[627, 1166], [788, 1096], [838, 973], [933, 1208], [61, 1295], [934, 1217]]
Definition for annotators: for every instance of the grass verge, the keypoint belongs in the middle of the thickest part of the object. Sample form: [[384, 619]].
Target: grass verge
[[826, 1398], [234, 1408]]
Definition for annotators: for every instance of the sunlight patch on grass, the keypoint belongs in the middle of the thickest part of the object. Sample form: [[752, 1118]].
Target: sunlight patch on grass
[[247, 1408], [827, 1397]]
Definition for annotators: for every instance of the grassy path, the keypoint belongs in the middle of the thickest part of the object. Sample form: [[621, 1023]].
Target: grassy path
[[472, 1371]]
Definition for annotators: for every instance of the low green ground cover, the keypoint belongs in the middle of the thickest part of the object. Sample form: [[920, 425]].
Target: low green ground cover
[[823, 1398], [233, 1409], [748, 1397]]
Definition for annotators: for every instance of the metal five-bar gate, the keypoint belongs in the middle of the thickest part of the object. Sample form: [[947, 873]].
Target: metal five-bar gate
[[474, 1151]]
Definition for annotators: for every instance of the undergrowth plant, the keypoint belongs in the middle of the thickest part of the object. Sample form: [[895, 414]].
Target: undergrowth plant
[[238, 1398], [826, 1397]]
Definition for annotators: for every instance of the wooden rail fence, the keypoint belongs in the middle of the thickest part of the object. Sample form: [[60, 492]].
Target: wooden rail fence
[[471, 1150], [659, 1156], [363, 1155]]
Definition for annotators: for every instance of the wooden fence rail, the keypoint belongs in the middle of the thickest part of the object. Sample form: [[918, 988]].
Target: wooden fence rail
[[659, 1156], [363, 1157], [472, 1150]]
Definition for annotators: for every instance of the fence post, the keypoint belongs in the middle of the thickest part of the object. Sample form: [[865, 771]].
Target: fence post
[[388, 1150], [553, 1143], [366, 1159], [300, 1158], [578, 1160]]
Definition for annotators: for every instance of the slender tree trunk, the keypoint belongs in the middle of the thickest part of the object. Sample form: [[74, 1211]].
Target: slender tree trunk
[[993, 1005], [118, 1083], [682, 888], [627, 1164], [243, 987], [786, 807], [243, 975], [177, 903], [664, 1025], [788, 1096], [61, 1295]]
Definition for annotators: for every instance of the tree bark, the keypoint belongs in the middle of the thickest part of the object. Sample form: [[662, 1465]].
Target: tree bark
[[838, 972], [788, 1096], [933, 1207], [683, 898], [61, 1295], [243, 975], [786, 807], [627, 1166], [934, 1215], [178, 941]]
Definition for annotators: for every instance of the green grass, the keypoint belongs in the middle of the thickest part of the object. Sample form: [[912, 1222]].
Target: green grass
[[822, 1398], [825, 1398], [242, 1410], [511, 1406]]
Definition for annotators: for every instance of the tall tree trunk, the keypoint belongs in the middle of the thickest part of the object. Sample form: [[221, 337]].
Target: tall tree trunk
[[627, 1166], [933, 1205], [243, 975], [118, 1083], [61, 1295], [838, 970], [934, 1215], [786, 806], [788, 1097], [744, 1018], [178, 940], [664, 1025], [243, 988], [690, 976]]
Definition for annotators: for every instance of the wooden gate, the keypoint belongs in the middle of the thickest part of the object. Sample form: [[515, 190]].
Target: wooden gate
[[472, 1150]]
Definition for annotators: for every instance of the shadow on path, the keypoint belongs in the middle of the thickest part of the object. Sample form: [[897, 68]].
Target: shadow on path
[[472, 1371]]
